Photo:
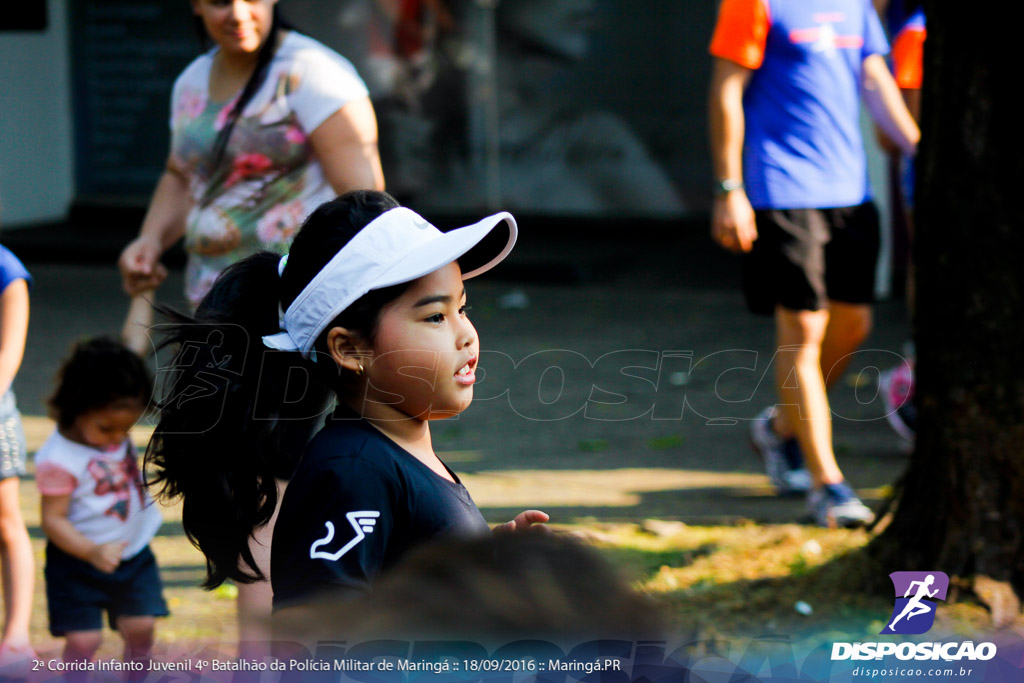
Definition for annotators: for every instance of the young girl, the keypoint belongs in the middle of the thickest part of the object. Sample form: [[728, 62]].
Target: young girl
[[15, 548], [265, 126], [375, 317], [96, 515]]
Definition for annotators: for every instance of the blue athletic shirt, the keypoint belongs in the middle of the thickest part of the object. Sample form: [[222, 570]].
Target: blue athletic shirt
[[802, 144], [358, 502], [11, 269]]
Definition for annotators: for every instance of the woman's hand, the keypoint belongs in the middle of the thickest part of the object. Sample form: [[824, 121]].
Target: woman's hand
[[164, 224], [530, 520], [141, 270]]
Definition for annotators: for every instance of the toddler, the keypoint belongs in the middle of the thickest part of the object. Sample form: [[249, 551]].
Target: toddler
[[96, 514]]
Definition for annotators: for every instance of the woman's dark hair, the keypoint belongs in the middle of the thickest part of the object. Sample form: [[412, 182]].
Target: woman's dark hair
[[235, 415], [98, 373], [259, 74]]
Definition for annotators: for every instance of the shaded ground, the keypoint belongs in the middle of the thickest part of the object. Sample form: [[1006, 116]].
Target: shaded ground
[[625, 374]]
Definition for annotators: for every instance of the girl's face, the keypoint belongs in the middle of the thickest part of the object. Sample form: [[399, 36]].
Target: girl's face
[[425, 351], [106, 428], [237, 26]]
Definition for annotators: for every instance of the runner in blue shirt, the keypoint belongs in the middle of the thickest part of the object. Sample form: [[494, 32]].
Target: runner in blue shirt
[[793, 196]]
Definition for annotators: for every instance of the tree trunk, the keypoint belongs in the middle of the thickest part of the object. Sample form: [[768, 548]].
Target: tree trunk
[[961, 508]]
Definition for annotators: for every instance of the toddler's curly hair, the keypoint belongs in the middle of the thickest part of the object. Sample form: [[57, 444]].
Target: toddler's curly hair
[[99, 372]]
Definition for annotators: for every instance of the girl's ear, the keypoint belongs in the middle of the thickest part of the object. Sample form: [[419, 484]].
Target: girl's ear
[[347, 348]]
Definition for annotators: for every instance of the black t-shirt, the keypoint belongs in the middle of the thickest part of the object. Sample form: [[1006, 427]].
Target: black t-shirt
[[356, 504]]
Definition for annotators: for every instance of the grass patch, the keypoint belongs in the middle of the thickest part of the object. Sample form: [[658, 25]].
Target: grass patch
[[747, 580], [640, 565], [664, 443], [743, 582]]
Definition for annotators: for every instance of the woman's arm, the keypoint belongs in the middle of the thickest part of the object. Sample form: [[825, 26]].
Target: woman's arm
[[13, 330], [345, 144], [163, 225], [62, 533]]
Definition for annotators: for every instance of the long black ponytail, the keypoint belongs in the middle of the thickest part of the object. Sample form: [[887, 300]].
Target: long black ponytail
[[235, 415]]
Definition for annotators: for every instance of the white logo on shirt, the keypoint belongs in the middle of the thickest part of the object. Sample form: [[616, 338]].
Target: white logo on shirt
[[362, 521], [826, 41]]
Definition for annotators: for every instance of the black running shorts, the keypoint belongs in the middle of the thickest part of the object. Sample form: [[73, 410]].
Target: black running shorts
[[803, 258]]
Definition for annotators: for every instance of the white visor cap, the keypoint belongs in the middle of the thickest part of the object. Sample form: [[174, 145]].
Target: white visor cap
[[398, 246]]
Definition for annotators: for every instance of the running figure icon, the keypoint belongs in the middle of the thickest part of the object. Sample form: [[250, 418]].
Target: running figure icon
[[915, 607]]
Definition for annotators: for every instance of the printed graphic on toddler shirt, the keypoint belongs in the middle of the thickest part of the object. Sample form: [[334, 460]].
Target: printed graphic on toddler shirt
[[914, 612], [118, 478]]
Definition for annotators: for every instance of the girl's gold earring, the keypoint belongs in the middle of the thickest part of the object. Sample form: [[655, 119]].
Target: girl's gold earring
[[360, 370]]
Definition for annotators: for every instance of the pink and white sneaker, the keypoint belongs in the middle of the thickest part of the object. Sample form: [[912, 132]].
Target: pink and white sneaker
[[897, 388]]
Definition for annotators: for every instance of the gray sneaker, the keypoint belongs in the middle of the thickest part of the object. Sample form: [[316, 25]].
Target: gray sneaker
[[836, 505], [783, 461]]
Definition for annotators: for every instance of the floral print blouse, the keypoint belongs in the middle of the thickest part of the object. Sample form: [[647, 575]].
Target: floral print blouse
[[269, 180]]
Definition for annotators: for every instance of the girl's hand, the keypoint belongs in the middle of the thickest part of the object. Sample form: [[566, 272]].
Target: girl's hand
[[107, 556], [530, 520]]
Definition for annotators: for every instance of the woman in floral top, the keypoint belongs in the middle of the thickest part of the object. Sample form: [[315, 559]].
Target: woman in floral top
[[265, 127], [241, 179]]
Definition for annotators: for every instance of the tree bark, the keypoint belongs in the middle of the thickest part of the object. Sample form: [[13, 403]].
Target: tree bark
[[961, 506]]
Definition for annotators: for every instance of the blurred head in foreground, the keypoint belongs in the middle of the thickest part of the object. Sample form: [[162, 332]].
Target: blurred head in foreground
[[492, 589]]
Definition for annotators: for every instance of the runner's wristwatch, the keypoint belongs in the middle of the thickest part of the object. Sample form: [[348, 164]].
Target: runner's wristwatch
[[726, 186]]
